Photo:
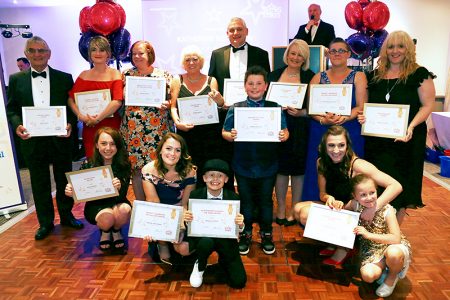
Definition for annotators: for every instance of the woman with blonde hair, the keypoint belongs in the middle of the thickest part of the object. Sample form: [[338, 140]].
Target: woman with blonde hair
[[292, 154], [398, 79]]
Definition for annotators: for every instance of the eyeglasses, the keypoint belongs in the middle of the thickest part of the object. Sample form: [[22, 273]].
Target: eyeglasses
[[40, 51], [340, 51], [192, 59]]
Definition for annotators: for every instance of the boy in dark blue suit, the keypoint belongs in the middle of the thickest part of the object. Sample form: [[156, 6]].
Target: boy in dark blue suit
[[215, 176]]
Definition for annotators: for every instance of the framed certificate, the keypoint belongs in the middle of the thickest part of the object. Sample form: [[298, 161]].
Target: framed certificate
[[332, 98], [287, 94], [213, 218], [93, 102], [233, 91], [160, 221], [198, 110], [145, 91], [385, 120], [331, 225], [92, 184], [45, 121], [257, 124]]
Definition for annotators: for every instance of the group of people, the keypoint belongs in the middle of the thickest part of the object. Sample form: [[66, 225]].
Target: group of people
[[324, 157]]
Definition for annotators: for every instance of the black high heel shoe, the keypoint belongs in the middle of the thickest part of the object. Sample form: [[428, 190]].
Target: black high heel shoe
[[281, 222], [290, 222]]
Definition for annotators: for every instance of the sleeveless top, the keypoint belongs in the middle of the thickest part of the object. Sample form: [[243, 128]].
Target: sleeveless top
[[185, 92], [337, 183], [169, 192]]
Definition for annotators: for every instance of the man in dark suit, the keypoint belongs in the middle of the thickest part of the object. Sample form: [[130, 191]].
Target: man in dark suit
[[232, 61], [316, 31], [42, 86]]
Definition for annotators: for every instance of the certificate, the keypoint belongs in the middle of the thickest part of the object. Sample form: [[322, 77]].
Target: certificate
[[92, 184], [160, 221], [331, 226], [213, 218], [257, 124], [287, 94], [233, 91], [145, 91], [199, 110], [93, 102], [45, 121], [332, 98], [385, 120]]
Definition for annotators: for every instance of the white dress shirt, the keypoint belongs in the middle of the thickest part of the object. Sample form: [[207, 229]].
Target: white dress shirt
[[238, 63], [40, 87]]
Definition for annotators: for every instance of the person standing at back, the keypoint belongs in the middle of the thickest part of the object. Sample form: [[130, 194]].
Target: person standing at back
[[43, 86], [316, 31], [232, 61]]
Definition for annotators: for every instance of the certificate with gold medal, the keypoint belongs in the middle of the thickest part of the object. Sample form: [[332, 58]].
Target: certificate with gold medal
[[213, 218], [385, 120], [92, 184], [92, 102], [287, 94], [145, 91], [330, 98], [198, 110], [160, 221], [45, 121], [233, 91], [257, 124]]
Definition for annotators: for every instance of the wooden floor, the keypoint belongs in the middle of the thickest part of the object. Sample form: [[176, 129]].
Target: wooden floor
[[68, 265]]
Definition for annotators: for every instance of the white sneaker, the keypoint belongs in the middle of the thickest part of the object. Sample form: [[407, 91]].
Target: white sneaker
[[385, 290], [196, 278], [403, 272]]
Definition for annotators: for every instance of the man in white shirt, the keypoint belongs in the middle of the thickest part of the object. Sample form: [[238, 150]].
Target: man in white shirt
[[316, 31]]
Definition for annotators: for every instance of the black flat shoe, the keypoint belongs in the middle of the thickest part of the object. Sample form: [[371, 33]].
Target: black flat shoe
[[72, 222], [290, 222], [43, 232], [281, 222]]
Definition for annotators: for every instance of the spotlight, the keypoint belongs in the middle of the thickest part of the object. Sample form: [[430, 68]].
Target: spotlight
[[7, 34], [27, 35]]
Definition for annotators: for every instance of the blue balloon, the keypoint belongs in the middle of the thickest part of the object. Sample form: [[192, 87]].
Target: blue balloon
[[378, 39], [120, 43], [83, 44], [360, 44]]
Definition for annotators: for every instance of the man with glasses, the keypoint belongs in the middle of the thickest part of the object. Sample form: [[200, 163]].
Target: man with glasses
[[316, 31], [43, 86]]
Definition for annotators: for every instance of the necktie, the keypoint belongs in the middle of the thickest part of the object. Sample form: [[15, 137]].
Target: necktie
[[238, 49], [36, 74]]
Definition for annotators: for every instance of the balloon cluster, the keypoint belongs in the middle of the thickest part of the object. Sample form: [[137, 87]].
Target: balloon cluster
[[369, 18], [105, 18]]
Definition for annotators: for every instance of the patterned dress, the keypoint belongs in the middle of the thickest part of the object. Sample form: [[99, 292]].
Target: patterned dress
[[169, 192], [370, 251], [143, 127]]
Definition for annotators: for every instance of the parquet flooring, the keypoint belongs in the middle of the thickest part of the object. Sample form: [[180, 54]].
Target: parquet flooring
[[68, 265]]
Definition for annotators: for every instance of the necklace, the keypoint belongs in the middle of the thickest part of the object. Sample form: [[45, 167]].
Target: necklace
[[293, 75], [193, 80], [388, 91]]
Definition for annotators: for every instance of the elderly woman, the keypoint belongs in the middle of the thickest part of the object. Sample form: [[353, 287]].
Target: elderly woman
[[201, 140], [100, 77], [143, 126], [292, 154], [339, 73], [398, 79]]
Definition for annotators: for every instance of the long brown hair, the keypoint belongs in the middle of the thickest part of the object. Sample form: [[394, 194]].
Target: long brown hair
[[407, 66], [183, 166], [325, 161]]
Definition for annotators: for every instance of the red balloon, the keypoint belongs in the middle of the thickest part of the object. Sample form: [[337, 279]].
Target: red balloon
[[121, 12], [103, 18], [84, 19], [363, 3], [354, 15], [376, 16]]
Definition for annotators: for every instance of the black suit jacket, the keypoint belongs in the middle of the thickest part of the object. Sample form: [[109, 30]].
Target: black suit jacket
[[324, 35], [219, 66], [20, 94], [201, 194]]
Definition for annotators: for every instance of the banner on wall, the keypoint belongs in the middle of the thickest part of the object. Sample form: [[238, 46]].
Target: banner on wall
[[11, 195]]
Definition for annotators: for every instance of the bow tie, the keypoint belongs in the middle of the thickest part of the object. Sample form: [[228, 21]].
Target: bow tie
[[36, 74], [238, 49]]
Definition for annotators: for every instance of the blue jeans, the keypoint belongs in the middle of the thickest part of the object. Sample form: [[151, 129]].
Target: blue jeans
[[256, 193]]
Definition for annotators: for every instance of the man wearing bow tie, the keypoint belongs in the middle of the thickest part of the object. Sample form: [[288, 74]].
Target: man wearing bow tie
[[316, 31], [232, 61], [43, 86]]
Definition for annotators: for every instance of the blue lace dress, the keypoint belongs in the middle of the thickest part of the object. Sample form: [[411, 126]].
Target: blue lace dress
[[316, 131], [169, 192]]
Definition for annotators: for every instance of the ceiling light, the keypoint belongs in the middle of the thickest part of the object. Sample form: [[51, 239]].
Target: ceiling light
[[7, 34]]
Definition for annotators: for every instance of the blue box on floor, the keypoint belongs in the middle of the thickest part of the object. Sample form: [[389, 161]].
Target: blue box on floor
[[432, 155], [445, 166]]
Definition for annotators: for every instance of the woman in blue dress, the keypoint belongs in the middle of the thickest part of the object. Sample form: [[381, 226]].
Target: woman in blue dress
[[339, 73]]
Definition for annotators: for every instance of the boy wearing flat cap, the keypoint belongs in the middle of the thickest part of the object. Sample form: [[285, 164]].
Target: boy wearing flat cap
[[215, 175]]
